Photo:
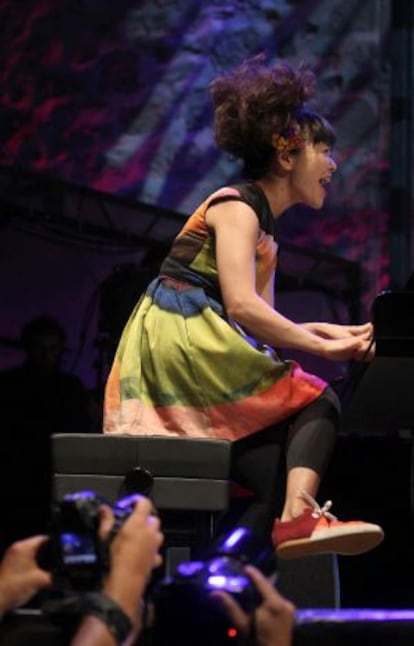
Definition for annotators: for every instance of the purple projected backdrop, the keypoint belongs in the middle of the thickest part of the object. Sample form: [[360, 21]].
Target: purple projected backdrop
[[112, 95]]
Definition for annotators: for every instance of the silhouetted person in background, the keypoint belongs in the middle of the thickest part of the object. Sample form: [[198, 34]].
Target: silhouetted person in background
[[37, 399]]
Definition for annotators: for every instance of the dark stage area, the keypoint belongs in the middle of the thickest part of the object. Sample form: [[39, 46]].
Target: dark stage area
[[370, 478]]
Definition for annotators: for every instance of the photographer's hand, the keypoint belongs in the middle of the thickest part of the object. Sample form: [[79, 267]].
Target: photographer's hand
[[273, 618], [20, 576], [133, 555]]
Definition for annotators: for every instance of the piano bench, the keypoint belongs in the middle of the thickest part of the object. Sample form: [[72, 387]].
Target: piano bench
[[189, 488]]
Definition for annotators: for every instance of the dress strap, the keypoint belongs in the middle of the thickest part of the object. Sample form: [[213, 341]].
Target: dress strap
[[225, 198]]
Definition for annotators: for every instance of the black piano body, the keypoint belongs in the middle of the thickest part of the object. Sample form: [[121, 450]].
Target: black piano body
[[382, 392]]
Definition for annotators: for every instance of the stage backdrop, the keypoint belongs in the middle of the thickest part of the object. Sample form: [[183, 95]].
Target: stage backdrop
[[112, 95]]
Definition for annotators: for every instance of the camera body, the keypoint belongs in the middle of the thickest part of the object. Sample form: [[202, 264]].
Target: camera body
[[184, 607], [74, 554], [185, 611]]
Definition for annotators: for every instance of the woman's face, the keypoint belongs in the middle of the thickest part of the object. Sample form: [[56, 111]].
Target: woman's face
[[311, 174]]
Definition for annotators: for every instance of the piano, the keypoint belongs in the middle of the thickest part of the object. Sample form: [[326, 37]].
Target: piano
[[380, 394]]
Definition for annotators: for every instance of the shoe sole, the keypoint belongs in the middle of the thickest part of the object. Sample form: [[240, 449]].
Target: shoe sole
[[346, 541]]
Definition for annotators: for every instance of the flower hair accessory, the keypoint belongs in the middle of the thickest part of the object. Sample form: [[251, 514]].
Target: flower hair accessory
[[288, 140]]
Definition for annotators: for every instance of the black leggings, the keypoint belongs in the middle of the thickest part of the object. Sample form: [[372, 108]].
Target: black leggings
[[305, 440]]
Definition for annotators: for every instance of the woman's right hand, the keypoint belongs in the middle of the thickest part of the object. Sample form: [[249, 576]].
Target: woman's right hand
[[348, 348]]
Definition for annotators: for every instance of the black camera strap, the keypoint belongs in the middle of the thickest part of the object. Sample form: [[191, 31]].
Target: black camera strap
[[73, 608], [109, 612]]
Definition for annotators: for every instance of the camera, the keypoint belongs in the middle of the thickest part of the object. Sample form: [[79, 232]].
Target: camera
[[185, 611], [74, 554]]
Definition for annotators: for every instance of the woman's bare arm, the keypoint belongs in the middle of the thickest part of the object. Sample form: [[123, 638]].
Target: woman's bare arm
[[236, 230]]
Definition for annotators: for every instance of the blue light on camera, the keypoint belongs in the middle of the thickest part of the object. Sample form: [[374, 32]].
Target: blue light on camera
[[235, 537], [80, 495], [77, 549], [189, 568], [229, 583], [127, 501]]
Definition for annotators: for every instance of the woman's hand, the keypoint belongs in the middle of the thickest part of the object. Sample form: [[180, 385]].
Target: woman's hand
[[349, 348], [335, 331]]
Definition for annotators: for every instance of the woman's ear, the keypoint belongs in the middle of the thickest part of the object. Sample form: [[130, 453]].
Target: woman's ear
[[285, 160]]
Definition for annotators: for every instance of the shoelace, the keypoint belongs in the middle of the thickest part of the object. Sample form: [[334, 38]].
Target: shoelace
[[318, 511]]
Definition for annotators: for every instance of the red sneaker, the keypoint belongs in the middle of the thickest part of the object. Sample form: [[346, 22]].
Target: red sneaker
[[316, 531]]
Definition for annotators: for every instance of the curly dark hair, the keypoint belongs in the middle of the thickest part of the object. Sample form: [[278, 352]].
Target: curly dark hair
[[254, 102]]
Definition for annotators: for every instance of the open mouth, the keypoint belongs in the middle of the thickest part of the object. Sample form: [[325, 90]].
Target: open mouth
[[324, 181]]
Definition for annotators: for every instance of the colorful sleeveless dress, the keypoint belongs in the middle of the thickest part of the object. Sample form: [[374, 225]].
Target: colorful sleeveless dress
[[183, 367]]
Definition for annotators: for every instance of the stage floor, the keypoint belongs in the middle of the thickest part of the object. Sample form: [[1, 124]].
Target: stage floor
[[361, 627]]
